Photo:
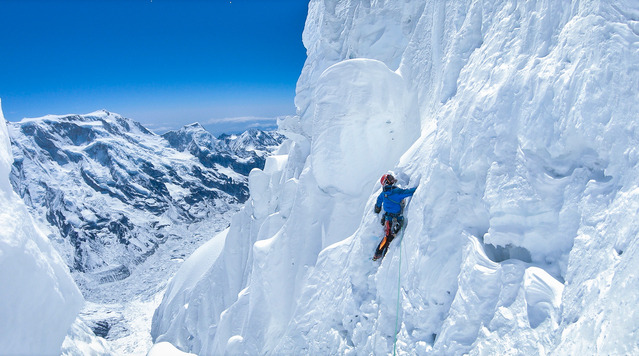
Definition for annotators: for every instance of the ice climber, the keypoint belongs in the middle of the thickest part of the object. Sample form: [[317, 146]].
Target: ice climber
[[392, 200]]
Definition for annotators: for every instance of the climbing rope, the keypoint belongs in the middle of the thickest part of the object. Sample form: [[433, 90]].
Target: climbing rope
[[399, 280], [399, 286]]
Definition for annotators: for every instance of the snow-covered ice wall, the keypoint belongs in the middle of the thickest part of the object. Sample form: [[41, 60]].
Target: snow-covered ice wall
[[38, 298], [518, 121]]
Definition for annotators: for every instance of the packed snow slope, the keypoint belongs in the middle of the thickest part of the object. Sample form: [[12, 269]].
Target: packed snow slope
[[38, 298], [112, 191], [517, 120]]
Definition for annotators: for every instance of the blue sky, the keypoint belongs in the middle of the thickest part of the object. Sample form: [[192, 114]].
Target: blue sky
[[226, 64]]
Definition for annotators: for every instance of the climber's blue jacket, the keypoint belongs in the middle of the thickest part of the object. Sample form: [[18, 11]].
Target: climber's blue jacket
[[391, 197]]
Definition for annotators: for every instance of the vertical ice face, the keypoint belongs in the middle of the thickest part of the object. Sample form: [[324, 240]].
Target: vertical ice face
[[521, 235], [340, 30], [362, 121], [38, 298]]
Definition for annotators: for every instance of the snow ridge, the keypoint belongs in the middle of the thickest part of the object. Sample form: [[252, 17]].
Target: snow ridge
[[517, 122], [38, 298]]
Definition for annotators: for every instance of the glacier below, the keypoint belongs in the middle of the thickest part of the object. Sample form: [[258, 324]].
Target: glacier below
[[517, 120]]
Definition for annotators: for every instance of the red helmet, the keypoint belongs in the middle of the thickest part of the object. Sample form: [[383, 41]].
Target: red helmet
[[387, 179]]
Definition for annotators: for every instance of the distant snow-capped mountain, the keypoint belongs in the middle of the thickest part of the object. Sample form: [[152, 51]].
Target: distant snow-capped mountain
[[113, 191], [241, 153]]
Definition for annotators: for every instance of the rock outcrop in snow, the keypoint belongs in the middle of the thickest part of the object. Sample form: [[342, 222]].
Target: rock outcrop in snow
[[517, 119], [38, 298]]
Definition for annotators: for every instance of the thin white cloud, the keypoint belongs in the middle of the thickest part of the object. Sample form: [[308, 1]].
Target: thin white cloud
[[240, 120], [231, 125], [257, 125]]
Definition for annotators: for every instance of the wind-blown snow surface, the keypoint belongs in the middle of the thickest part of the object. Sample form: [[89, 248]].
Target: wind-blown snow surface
[[38, 298], [518, 121]]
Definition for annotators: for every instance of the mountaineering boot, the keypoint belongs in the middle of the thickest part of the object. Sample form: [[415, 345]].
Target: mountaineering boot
[[380, 254], [382, 248]]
